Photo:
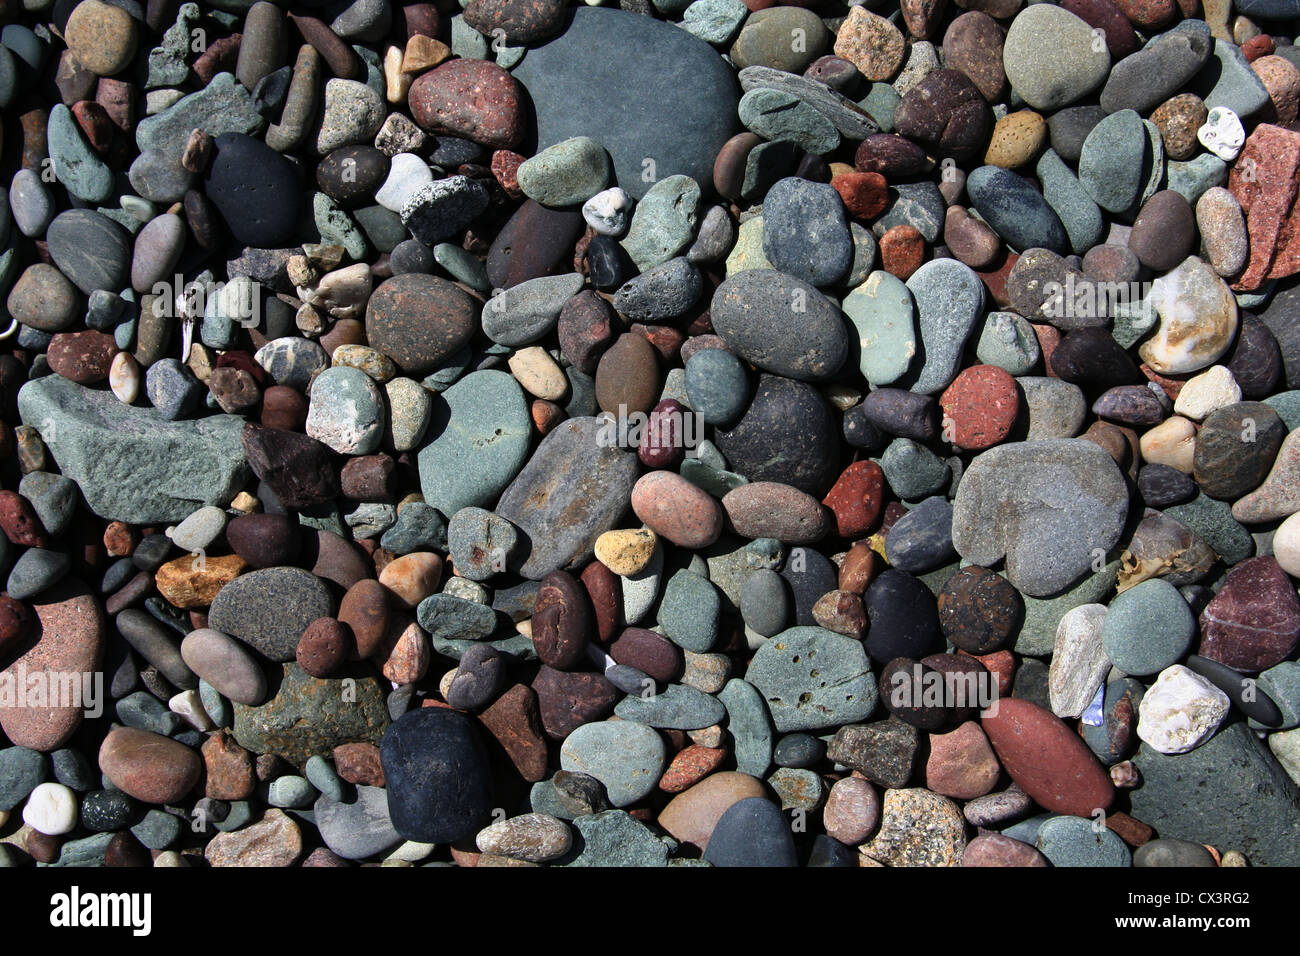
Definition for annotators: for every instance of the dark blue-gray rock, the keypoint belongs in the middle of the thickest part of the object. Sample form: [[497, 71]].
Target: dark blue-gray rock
[[813, 678], [1016, 210], [36, 570], [479, 678], [808, 574], [781, 324], [437, 776], [903, 615], [921, 540], [91, 250], [614, 838], [419, 527], [805, 234], [919, 205], [1145, 79], [799, 751], [269, 609], [575, 487], [788, 435], [447, 617], [443, 208], [1229, 792], [159, 829], [765, 603], [1111, 162], [144, 711], [54, 499], [173, 389], [753, 832], [661, 293], [21, 772], [358, 828], [131, 464], [72, 769], [1077, 841], [690, 611], [685, 112], [849, 118], [74, 163]]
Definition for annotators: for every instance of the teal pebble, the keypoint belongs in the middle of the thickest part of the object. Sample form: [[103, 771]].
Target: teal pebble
[[690, 612], [1077, 841], [614, 838], [291, 792], [912, 470], [240, 815], [321, 774], [159, 829], [750, 726], [1148, 628], [717, 386]]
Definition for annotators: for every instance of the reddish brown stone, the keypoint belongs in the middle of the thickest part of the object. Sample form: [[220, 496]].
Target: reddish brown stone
[[729, 166], [691, 816], [515, 720], [82, 357], [586, 329], [342, 61], [20, 523], [17, 623], [545, 415], [994, 849], [42, 847], [961, 764], [369, 478], [324, 857], [979, 610], [856, 498], [1002, 665], [995, 279], [841, 612], [359, 763], [324, 646], [1132, 831], [124, 850], [473, 99], [1265, 179], [1049, 337], [858, 568], [689, 767], [980, 407], [1258, 47], [606, 596], [95, 124], [505, 167], [1046, 759], [1254, 620], [148, 766], [649, 652], [567, 700], [562, 621], [220, 57], [120, 539], [1148, 14], [231, 773], [902, 250], [72, 624], [865, 195], [665, 339], [235, 390]]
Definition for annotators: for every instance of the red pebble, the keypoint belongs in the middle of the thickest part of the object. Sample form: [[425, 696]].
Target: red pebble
[[902, 250], [856, 498], [979, 407], [865, 195]]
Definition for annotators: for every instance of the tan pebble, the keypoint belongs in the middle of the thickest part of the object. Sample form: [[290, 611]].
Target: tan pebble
[[538, 373], [423, 52], [1202, 394], [1017, 138], [628, 551], [412, 577], [396, 83], [1234, 858], [124, 377], [444, 684], [374, 363], [1172, 443], [245, 503]]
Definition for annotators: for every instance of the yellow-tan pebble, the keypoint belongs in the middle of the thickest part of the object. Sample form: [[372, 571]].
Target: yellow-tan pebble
[[1017, 138], [371, 361], [538, 373], [423, 53], [1172, 443], [628, 551], [101, 37], [840, 169], [245, 503], [396, 83]]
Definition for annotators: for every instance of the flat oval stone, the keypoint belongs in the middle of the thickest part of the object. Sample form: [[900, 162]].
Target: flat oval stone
[[1015, 210], [781, 324], [813, 678], [148, 766], [255, 189], [269, 609], [767, 509], [576, 94], [573, 463], [1148, 628], [437, 776], [1074, 841], [478, 440], [626, 756], [224, 664], [1047, 759], [676, 509], [419, 321], [1056, 502], [72, 628], [90, 249], [805, 234], [1050, 57]]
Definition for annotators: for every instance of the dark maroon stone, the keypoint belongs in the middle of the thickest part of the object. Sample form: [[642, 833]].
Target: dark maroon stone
[[300, 470], [1255, 360], [265, 540], [535, 241], [662, 439], [1093, 360], [946, 114], [980, 611], [1134, 405], [567, 700], [892, 155], [651, 653], [586, 329], [1254, 620], [562, 621]]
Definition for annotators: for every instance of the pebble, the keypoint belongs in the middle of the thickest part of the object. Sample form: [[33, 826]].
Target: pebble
[[1051, 81], [1148, 628]]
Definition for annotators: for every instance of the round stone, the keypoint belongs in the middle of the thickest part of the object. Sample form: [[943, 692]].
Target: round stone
[[419, 321], [1148, 628]]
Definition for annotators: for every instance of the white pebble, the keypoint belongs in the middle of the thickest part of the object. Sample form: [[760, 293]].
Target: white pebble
[[406, 174], [607, 212], [1181, 711], [169, 858], [189, 706], [124, 377], [51, 809], [1222, 134], [1286, 545], [1214, 388]]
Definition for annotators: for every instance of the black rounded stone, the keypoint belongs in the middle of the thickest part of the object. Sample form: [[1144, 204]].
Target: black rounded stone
[[438, 779], [906, 689], [1256, 360], [1241, 690], [608, 264], [411, 255], [753, 832], [903, 615], [810, 574], [1093, 360], [1162, 486], [105, 810], [351, 175], [788, 434], [798, 750], [902, 413], [860, 432], [256, 190]]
